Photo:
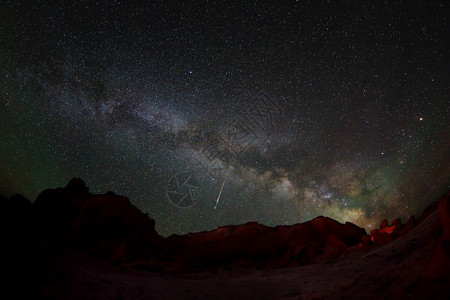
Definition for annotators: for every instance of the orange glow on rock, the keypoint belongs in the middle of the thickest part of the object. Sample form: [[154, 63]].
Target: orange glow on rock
[[388, 229]]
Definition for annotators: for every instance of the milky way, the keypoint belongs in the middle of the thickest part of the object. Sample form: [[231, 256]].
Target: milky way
[[297, 109]]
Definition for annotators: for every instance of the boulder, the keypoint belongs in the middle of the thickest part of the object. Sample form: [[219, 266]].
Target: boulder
[[384, 224], [397, 222]]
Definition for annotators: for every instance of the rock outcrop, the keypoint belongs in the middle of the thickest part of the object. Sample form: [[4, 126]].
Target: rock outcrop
[[62, 246], [106, 226], [253, 244], [387, 233], [109, 227]]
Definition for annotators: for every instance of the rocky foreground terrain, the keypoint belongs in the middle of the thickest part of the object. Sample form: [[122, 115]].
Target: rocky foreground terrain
[[71, 244]]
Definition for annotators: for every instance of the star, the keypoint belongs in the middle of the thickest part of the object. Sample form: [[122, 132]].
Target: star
[[160, 104]]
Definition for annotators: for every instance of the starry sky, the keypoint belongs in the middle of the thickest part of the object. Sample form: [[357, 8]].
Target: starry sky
[[209, 113]]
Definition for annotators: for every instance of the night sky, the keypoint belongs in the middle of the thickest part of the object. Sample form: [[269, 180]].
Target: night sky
[[225, 112]]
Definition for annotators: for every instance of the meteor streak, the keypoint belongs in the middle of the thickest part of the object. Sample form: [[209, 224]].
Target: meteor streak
[[220, 193]]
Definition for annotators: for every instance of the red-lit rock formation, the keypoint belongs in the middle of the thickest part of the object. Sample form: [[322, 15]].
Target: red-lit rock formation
[[109, 227], [52, 247], [387, 233], [258, 245]]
